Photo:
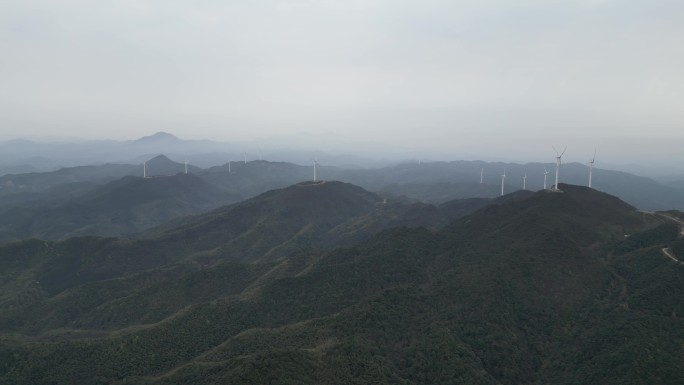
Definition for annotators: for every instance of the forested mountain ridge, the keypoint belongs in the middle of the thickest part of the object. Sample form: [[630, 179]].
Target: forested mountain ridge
[[124, 206], [307, 214], [540, 289], [276, 224], [430, 182]]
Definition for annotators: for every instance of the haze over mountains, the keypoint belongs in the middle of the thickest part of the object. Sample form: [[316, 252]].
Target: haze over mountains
[[164, 272], [434, 182], [21, 156], [341, 192], [113, 200], [28, 156]]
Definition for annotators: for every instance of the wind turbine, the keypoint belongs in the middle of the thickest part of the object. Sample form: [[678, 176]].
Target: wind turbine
[[481, 175], [558, 163], [245, 153], [546, 173], [186, 166], [315, 164], [591, 167], [228, 167], [503, 177], [145, 170], [525, 181]]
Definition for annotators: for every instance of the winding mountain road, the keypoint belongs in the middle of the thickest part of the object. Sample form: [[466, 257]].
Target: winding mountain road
[[668, 253], [666, 250], [674, 219]]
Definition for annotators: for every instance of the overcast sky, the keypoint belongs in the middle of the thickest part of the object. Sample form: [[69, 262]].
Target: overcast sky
[[494, 75]]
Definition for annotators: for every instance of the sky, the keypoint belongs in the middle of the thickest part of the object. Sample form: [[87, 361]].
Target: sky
[[497, 77]]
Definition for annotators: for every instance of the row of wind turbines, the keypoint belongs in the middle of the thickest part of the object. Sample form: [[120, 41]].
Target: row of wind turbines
[[559, 157], [145, 176]]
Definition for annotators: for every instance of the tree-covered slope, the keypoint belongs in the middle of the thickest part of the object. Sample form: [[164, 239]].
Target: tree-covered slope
[[540, 289], [124, 206], [288, 223]]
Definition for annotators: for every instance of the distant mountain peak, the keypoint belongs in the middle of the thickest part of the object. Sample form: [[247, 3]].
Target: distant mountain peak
[[161, 158], [161, 165], [160, 136]]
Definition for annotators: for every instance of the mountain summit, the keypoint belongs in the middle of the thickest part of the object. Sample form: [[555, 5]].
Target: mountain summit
[[158, 138], [265, 227]]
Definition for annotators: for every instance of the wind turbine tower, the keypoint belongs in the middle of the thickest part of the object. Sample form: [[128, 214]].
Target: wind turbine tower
[[503, 178], [228, 167], [591, 167], [558, 163], [525, 181], [481, 175], [315, 164], [145, 170], [186, 166], [546, 173], [245, 153]]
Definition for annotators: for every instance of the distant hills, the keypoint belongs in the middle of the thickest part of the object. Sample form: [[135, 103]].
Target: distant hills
[[540, 287], [45, 155], [26, 196], [158, 138], [48, 156], [98, 162], [235, 181], [125, 206]]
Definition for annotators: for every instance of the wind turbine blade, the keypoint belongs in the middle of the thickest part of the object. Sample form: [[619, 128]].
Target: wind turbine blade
[[554, 149], [561, 154]]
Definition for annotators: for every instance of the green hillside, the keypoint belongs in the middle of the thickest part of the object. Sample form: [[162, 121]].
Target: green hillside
[[543, 288], [302, 216], [296, 222], [124, 206]]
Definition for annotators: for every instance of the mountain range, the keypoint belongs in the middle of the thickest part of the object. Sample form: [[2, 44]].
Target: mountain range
[[22, 155], [125, 206], [431, 182], [327, 283], [51, 205]]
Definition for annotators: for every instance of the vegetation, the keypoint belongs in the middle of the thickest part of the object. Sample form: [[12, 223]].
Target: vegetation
[[539, 289], [121, 207]]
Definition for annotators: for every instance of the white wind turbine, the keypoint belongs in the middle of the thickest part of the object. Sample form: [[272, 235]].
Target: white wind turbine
[[503, 177], [481, 175], [315, 164], [558, 163], [144, 169], [546, 173], [591, 167], [186, 166], [525, 181]]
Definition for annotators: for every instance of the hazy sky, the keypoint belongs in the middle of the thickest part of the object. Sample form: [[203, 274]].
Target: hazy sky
[[499, 75]]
